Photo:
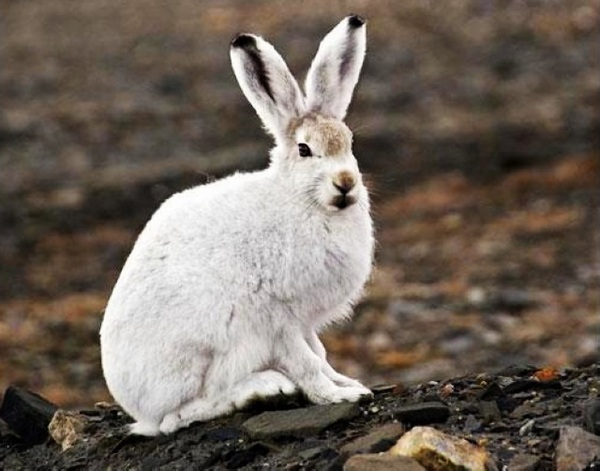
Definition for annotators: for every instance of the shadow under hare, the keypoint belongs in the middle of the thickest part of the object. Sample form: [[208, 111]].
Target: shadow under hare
[[227, 286]]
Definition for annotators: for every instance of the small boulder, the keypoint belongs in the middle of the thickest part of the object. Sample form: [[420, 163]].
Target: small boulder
[[437, 451], [27, 414], [576, 449]]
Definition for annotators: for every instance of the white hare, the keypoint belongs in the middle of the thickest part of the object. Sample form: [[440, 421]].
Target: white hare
[[223, 294]]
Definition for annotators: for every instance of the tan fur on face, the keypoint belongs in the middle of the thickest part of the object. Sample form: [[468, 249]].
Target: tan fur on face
[[331, 136]]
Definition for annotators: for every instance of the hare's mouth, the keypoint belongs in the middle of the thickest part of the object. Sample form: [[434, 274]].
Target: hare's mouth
[[343, 201]]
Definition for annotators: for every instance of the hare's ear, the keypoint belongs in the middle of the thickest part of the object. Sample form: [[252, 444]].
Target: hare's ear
[[335, 69], [266, 82]]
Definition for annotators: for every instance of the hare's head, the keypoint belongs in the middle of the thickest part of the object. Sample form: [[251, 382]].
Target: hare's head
[[313, 145]]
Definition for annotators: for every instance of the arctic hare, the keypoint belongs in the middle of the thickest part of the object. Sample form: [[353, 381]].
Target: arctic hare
[[223, 294]]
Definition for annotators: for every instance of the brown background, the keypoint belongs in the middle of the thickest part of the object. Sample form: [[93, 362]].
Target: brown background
[[477, 122]]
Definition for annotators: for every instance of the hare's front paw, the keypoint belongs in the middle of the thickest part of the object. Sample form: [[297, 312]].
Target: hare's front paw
[[342, 380], [338, 394]]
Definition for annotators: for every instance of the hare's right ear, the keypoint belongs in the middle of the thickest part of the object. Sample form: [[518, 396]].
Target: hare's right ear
[[335, 69], [266, 82]]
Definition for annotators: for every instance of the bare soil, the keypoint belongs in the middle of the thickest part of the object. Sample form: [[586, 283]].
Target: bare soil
[[477, 122]]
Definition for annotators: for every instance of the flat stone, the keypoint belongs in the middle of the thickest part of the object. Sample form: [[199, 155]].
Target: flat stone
[[422, 414], [298, 422], [591, 416], [517, 370], [523, 462], [437, 451], [312, 452], [522, 385], [382, 462], [66, 428], [379, 439], [576, 449], [27, 414]]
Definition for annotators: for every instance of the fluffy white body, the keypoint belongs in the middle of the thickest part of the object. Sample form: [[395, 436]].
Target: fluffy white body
[[227, 286]]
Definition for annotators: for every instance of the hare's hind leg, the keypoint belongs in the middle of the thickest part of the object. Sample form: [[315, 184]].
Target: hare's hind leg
[[147, 429], [197, 410], [260, 385]]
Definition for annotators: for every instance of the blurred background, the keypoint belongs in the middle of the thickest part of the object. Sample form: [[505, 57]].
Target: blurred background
[[477, 122]]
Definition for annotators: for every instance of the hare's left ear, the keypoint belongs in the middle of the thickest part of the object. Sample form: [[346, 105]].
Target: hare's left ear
[[335, 69]]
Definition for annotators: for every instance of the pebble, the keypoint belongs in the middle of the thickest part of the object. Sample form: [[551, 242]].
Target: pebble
[[527, 427], [576, 449], [472, 424], [298, 422], [382, 462], [437, 451]]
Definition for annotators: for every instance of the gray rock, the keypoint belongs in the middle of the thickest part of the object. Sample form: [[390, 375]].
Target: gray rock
[[379, 439], [523, 462], [298, 422], [591, 416], [422, 414], [382, 462], [576, 449], [472, 424]]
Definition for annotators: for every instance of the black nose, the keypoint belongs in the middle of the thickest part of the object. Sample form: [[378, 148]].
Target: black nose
[[344, 188]]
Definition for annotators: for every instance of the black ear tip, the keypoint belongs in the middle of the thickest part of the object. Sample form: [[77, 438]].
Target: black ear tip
[[356, 21], [243, 40]]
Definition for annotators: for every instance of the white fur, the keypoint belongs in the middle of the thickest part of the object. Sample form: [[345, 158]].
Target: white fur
[[223, 294]]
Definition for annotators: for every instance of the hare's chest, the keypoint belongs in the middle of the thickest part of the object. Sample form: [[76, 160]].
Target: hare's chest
[[331, 267], [348, 254]]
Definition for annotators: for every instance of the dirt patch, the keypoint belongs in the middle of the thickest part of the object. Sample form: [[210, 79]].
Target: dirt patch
[[476, 121], [519, 414]]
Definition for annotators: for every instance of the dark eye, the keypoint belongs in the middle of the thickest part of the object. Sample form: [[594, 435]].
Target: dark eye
[[304, 150]]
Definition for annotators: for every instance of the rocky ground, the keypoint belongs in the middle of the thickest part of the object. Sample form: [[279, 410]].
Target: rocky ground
[[476, 121], [521, 418]]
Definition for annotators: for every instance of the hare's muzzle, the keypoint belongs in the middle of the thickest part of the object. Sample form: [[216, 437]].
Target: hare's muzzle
[[344, 182]]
